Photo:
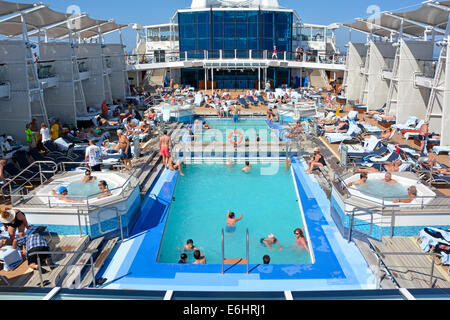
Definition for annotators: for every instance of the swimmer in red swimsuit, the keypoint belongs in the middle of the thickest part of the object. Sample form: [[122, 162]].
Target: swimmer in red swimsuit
[[300, 238]]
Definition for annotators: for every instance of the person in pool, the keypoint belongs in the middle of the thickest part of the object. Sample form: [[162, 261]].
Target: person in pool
[[103, 186], [183, 258], [266, 259], [176, 166], [362, 180], [189, 246], [271, 240], [199, 258], [247, 167], [88, 177], [300, 238], [231, 221], [412, 194], [62, 193], [388, 178]]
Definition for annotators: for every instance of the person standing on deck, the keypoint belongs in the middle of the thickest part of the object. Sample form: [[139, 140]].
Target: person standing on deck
[[165, 143], [423, 137], [275, 54], [125, 148], [93, 157]]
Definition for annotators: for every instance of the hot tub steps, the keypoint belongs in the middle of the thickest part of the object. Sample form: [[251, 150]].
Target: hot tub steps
[[234, 261], [98, 264], [74, 274]]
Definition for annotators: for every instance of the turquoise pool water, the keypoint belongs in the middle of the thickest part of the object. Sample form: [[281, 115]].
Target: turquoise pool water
[[80, 189], [380, 189], [204, 196], [249, 128]]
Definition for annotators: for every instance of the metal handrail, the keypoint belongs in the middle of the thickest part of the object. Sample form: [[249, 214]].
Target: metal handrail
[[247, 253], [411, 254], [64, 252], [223, 252], [27, 169]]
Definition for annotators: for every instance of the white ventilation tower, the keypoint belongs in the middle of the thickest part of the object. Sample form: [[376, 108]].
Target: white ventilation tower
[[265, 4]]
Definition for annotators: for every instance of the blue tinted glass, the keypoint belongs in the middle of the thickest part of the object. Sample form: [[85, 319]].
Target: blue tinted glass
[[217, 16], [228, 16], [229, 30], [202, 17], [241, 17], [267, 31], [202, 30], [253, 16], [241, 43], [282, 17], [184, 18], [229, 43], [252, 30], [188, 45], [187, 31], [218, 30], [203, 44], [282, 31], [218, 44], [267, 44], [282, 45], [253, 44], [267, 17], [241, 30]]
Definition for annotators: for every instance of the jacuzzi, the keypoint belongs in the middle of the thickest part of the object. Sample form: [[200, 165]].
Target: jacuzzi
[[422, 190], [179, 113], [93, 216], [365, 209]]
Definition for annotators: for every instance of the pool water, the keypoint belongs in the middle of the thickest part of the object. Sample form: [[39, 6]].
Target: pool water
[[202, 199], [249, 128], [79, 189], [380, 189]]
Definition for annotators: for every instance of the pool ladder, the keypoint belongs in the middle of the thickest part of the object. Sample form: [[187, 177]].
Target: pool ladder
[[238, 261]]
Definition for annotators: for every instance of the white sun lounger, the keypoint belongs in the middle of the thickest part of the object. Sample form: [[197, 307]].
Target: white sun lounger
[[441, 149], [352, 132]]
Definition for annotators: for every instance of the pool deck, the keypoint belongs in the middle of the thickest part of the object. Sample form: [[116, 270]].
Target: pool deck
[[338, 264]]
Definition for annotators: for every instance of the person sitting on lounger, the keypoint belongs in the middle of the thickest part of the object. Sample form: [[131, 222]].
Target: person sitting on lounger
[[374, 112], [386, 134], [387, 118], [343, 126], [412, 194], [62, 195], [317, 161], [388, 167], [362, 180]]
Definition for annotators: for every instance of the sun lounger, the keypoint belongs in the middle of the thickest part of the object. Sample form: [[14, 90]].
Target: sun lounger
[[243, 103], [337, 137], [380, 119], [411, 123], [441, 149]]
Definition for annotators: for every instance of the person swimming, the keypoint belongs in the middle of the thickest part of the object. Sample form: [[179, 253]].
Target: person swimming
[[247, 167], [231, 221], [300, 238], [271, 240], [62, 195], [199, 258], [189, 246]]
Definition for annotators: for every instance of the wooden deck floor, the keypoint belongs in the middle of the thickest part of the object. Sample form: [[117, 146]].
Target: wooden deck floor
[[410, 271]]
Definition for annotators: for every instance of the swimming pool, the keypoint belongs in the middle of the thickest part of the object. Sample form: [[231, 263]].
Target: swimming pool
[[238, 132], [274, 209], [80, 189]]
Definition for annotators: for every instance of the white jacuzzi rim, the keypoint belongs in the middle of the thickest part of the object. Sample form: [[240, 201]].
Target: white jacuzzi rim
[[44, 191], [422, 190]]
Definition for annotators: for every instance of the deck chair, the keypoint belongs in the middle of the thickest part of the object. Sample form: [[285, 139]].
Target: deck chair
[[338, 137], [261, 99], [22, 175], [243, 103], [371, 147], [252, 101], [441, 149], [380, 119], [411, 123]]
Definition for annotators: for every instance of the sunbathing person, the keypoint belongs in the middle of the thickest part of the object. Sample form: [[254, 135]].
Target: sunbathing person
[[374, 112], [387, 118], [62, 195], [206, 126], [296, 130], [343, 126], [388, 167], [386, 134], [412, 194]]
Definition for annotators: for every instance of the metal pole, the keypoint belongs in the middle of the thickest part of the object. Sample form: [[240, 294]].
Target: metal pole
[[40, 271], [79, 221], [212, 81], [248, 257], [432, 271], [92, 270], [223, 253]]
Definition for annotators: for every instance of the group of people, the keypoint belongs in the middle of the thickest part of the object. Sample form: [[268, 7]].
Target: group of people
[[40, 137], [16, 224], [412, 190]]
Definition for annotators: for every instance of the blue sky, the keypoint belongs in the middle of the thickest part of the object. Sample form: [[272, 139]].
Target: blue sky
[[147, 12]]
